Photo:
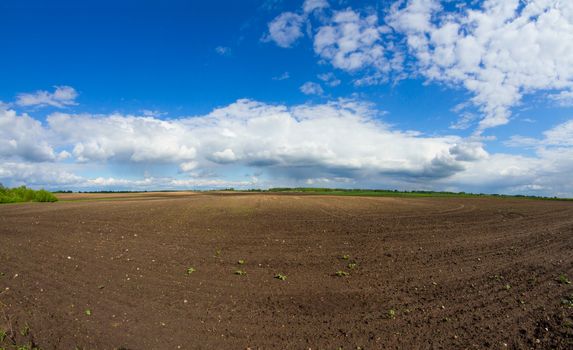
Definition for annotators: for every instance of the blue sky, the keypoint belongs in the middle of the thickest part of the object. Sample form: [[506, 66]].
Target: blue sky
[[415, 94]]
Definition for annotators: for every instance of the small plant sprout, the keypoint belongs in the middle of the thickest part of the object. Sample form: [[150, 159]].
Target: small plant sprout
[[391, 314], [562, 279], [281, 277], [352, 265], [25, 330], [241, 262], [568, 301], [3, 335], [341, 273], [218, 253], [345, 257], [190, 270], [507, 287], [240, 272], [88, 312]]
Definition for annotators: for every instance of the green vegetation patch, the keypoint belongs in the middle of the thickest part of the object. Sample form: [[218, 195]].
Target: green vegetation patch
[[562, 279], [25, 194], [341, 273]]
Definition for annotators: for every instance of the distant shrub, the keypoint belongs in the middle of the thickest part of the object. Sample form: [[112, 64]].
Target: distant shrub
[[25, 194], [45, 196]]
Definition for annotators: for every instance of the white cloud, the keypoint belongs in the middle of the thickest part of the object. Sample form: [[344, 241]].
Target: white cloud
[[37, 174], [329, 79], [283, 76], [293, 141], [225, 156], [338, 143], [351, 42], [564, 98], [223, 50], [561, 135], [123, 138], [499, 52], [61, 97], [23, 137], [285, 29], [311, 88], [312, 5]]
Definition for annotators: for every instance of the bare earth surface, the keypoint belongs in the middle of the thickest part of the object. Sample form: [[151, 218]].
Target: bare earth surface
[[430, 273]]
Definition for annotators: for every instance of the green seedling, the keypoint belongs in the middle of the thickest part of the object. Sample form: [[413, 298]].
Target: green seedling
[[190, 270], [563, 279], [345, 257], [241, 262], [341, 273], [391, 314], [507, 287], [88, 312], [3, 335], [567, 301], [240, 272], [25, 331], [281, 277], [218, 253], [352, 265]]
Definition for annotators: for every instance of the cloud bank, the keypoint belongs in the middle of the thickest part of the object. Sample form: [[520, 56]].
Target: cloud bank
[[496, 50], [338, 143]]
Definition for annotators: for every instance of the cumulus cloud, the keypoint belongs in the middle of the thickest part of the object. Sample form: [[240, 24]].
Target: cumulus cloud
[[337, 139], [336, 143], [61, 97], [37, 174], [312, 5], [285, 29], [122, 138], [329, 79], [23, 137], [351, 42], [498, 52], [311, 88]]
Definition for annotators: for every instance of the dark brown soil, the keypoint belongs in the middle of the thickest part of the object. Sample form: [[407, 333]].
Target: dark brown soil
[[430, 273]]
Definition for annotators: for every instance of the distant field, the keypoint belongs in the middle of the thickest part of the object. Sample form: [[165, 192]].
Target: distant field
[[199, 271], [394, 193], [122, 195]]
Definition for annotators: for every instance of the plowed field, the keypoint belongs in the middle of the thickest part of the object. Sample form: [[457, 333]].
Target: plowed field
[[111, 272]]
